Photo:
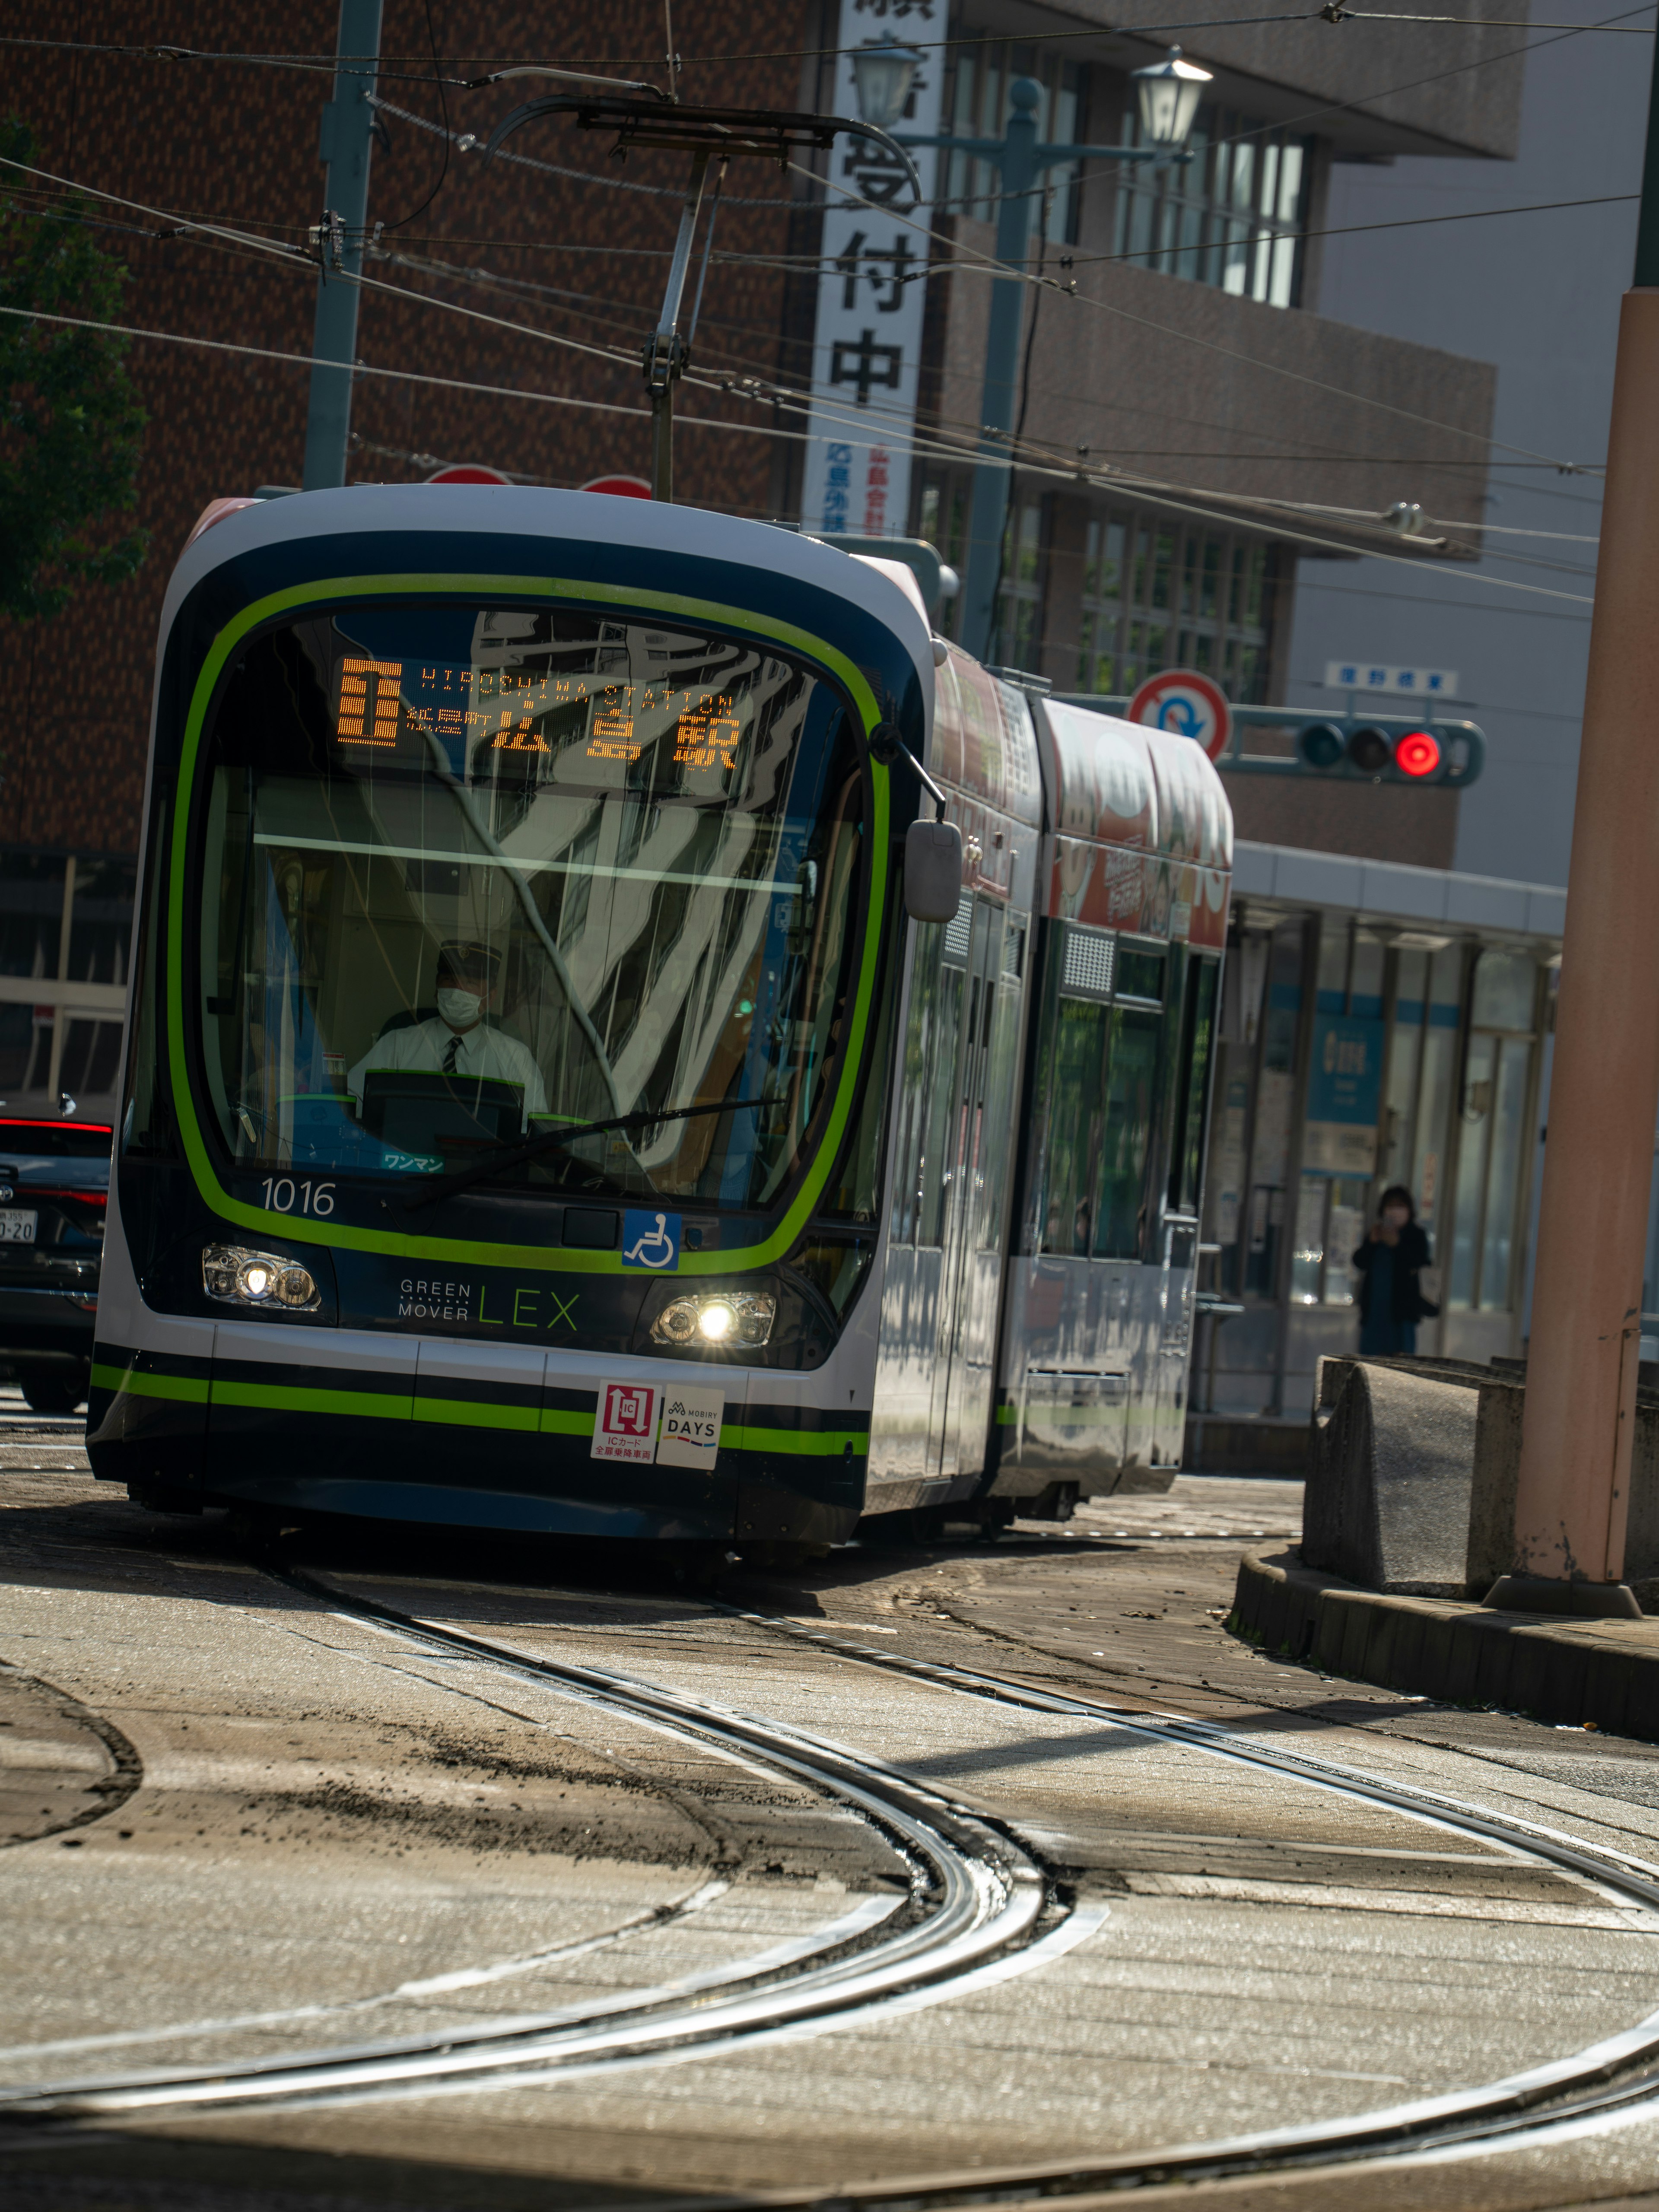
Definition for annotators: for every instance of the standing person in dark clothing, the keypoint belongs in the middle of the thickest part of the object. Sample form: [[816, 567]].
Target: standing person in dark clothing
[[1390, 1262]]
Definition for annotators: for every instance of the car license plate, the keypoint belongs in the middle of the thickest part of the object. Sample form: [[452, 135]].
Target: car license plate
[[16, 1226]]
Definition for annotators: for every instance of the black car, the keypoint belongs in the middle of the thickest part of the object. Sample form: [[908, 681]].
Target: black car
[[54, 1189]]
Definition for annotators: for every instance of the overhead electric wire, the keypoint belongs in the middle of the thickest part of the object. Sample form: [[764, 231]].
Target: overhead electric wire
[[989, 264], [779, 397], [443, 98], [1436, 76], [292, 257], [1186, 506], [1353, 230]]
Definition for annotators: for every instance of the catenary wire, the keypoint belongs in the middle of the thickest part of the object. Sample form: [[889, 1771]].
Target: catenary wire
[[988, 263], [1353, 230], [780, 396], [292, 257], [1332, 457], [560, 399], [443, 102], [1121, 479]]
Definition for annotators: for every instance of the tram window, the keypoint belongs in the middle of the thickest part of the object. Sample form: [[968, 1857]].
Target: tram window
[[620, 864], [1140, 973], [939, 1125], [1076, 1111], [1131, 1106], [1198, 1032]]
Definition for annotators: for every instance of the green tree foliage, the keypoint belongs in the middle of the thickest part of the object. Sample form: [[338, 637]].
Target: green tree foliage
[[71, 425]]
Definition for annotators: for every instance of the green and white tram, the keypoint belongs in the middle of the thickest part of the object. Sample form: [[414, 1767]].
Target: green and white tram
[[542, 1110]]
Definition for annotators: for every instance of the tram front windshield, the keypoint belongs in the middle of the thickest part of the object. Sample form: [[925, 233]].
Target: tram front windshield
[[472, 875]]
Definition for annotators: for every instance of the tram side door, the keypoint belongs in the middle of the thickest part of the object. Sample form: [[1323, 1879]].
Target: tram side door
[[981, 953]]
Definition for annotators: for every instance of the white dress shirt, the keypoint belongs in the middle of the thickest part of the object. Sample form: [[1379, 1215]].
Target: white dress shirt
[[484, 1054]]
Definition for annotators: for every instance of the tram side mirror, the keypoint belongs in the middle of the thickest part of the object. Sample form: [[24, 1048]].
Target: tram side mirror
[[932, 871]]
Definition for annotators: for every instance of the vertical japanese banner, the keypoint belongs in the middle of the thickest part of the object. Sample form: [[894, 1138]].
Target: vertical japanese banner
[[867, 342]]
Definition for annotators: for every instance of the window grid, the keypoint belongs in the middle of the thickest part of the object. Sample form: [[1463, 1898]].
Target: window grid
[[1088, 963], [1019, 641], [1232, 216], [978, 108], [1160, 594]]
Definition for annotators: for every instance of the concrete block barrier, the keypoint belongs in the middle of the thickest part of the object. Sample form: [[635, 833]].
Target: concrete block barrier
[[1603, 1673]]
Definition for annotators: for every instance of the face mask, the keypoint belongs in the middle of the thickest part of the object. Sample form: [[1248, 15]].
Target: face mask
[[1395, 1215], [460, 1009]]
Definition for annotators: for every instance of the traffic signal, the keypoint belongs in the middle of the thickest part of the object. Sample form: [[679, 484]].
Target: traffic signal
[[1376, 753]]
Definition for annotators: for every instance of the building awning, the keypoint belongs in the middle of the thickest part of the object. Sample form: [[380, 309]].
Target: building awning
[[1389, 894]]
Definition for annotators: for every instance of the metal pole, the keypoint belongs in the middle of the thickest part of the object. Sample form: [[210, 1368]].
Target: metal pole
[[665, 352], [988, 514], [347, 121], [1572, 1498]]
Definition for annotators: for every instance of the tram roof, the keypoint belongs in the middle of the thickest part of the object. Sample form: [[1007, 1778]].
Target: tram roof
[[1114, 782], [538, 511]]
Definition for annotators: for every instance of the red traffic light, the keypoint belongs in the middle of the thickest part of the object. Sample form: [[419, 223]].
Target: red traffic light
[[1417, 754]]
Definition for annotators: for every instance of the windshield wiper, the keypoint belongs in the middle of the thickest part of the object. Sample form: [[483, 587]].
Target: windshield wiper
[[499, 1159]]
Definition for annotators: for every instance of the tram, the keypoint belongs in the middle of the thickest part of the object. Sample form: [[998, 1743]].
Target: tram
[[561, 1096]]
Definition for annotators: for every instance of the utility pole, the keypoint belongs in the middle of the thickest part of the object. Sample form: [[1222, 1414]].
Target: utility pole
[[1572, 1498], [347, 124]]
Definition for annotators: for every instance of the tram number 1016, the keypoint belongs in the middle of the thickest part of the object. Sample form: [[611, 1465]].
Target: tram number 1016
[[282, 1192]]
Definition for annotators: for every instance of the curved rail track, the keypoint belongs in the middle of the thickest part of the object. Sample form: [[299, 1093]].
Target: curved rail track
[[979, 1908]]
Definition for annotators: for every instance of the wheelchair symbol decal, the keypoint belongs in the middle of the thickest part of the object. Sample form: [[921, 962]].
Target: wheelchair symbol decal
[[651, 1240]]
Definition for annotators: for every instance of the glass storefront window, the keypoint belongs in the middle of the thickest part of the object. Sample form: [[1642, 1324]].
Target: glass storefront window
[[1365, 977], [31, 913], [1504, 1181], [1345, 1231], [1492, 1146], [1474, 1137], [1444, 1013], [1308, 1249], [1404, 1067], [1505, 986]]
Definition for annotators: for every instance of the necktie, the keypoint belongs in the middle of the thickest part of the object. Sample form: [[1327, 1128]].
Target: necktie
[[452, 1055]]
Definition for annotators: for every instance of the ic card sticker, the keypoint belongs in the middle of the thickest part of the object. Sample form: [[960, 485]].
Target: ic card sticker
[[625, 1421], [690, 1428]]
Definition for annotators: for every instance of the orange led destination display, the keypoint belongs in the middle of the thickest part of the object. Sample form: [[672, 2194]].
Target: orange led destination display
[[507, 711], [705, 731], [355, 724]]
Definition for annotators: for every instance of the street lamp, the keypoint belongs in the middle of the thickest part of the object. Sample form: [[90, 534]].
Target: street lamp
[[1168, 93], [883, 74]]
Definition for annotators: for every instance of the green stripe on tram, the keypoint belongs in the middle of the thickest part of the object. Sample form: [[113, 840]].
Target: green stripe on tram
[[446, 1412], [295, 1398], [809, 1443], [132, 1382]]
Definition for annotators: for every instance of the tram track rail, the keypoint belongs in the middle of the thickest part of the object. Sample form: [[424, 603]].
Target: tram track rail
[[1612, 2081], [981, 1905]]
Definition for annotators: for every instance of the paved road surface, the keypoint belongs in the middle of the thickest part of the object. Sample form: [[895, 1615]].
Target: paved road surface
[[245, 1818]]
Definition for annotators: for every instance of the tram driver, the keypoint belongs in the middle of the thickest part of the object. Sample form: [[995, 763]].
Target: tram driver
[[459, 1039]]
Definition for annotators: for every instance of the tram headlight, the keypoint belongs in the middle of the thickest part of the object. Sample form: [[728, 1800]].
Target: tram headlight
[[713, 1318], [239, 1276]]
